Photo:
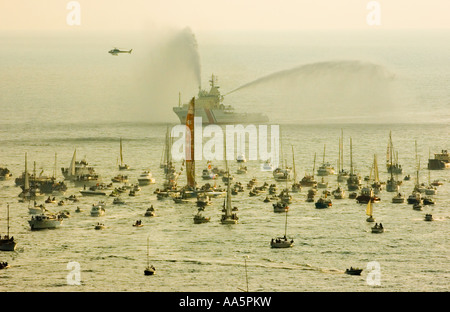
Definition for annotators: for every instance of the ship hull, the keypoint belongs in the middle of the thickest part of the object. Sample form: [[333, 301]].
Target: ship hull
[[221, 117]]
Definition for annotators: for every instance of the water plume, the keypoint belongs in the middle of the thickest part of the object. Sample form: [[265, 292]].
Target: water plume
[[169, 66], [331, 90]]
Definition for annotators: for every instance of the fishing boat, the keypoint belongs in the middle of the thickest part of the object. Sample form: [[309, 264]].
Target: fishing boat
[[138, 223], [323, 202], [339, 193], [150, 269], [369, 212], [200, 218], [211, 109], [308, 180], [282, 174], [44, 221], [326, 168], [7, 243], [122, 165], [282, 241], [95, 190], [203, 200], [440, 161], [80, 173], [98, 210], [267, 166], [280, 206], [229, 217], [398, 199], [322, 183], [120, 178], [118, 201], [414, 198], [207, 174], [5, 174], [428, 201], [146, 178], [367, 195], [241, 158], [353, 271], [4, 265], [150, 212], [99, 226], [378, 228], [242, 169]]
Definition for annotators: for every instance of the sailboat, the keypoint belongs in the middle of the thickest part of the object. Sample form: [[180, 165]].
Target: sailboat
[[228, 217], [342, 175], [308, 180], [376, 185], [122, 166], [353, 181], [282, 242], [296, 186], [392, 165], [30, 191], [150, 269], [7, 243], [369, 212], [326, 168], [190, 190]]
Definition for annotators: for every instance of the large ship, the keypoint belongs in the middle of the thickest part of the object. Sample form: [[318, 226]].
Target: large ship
[[440, 161], [209, 106]]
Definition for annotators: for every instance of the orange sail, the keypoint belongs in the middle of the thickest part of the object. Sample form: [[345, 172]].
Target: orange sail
[[190, 161]]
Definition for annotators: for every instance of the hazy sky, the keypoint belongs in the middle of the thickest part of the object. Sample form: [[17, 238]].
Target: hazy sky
[[204, 15]]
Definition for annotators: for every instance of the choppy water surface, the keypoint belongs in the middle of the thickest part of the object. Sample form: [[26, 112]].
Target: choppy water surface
[[413, 254]]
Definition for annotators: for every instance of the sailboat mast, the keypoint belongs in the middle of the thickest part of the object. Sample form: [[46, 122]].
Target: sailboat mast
[[314, 167], [351, 157], [7, 218], [293, 165], [285, 226]]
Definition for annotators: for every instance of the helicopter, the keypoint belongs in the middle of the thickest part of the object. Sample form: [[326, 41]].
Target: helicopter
[[116, 51]]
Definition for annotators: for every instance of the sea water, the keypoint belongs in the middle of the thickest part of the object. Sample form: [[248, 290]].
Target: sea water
[[60, 94]]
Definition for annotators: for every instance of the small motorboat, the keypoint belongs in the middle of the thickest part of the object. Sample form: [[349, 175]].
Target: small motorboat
[[417, 206], [4, 265], [323, 203], [378, 228], [199, 218], [138, 223], [428, 217], [150, 270], [280, 207], [150, 212], [428, 201], [99, 226], [281, 242], [353, 271]]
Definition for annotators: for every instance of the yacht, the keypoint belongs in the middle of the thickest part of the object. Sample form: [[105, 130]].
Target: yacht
[[146, 178], [98, 209], [398, 199], [45, 222]]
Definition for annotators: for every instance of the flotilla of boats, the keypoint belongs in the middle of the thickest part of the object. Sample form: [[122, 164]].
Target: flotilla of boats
[[80, 172]]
